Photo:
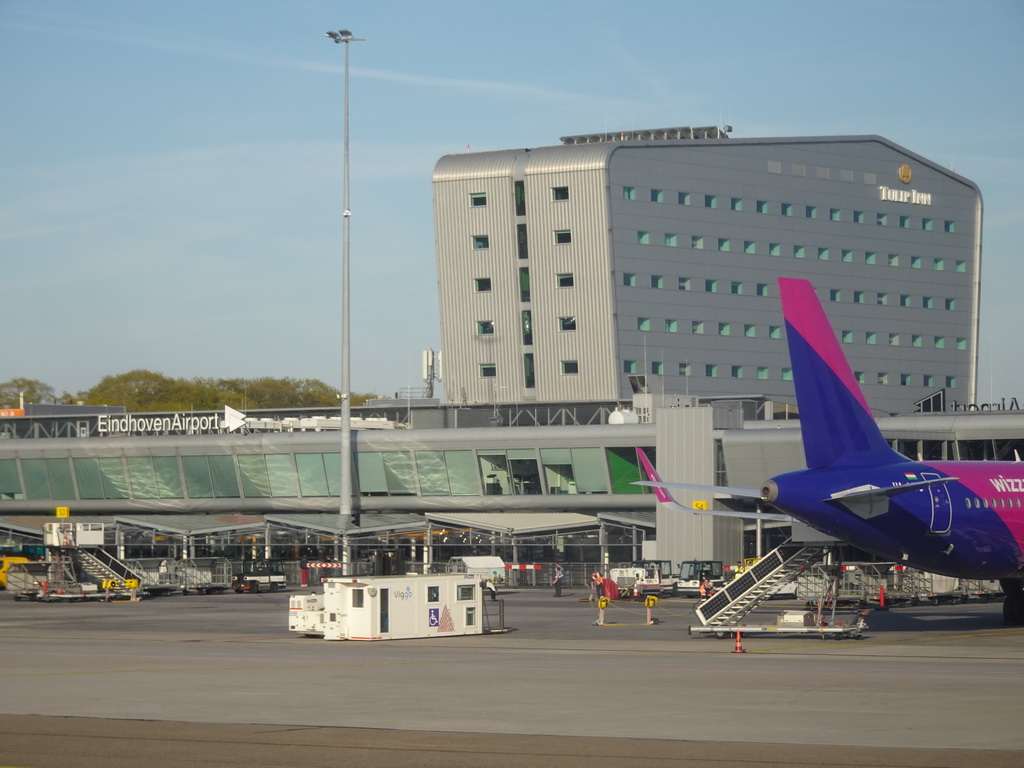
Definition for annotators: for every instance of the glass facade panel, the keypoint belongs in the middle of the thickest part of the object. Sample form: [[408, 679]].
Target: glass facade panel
[[312, 474], [115, 481], [225, 480], [494, 470], [197, 476], [255, 482], [558, 471], [624, 469], [10, 485], [37, 484], [399, 473], [522, 465], [168, 477], [432, 473], [143, 478], [462, 475], [281, 471], [589, 467], [370, 471]]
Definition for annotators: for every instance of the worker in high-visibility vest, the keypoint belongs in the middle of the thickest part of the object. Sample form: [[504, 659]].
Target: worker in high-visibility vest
[[705, 589], [597, 582]]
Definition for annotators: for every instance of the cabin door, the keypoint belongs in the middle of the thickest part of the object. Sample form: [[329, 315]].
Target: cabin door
[[942, 507]]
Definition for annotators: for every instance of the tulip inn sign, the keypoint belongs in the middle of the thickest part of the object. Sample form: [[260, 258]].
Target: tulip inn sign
[[175, 423]]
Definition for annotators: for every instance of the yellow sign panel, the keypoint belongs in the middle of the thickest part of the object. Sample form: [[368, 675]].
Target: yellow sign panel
[[905, 173], [63, 511], [700, 505]]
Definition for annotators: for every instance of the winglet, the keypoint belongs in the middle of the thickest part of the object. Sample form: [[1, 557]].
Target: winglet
[[659, 491], [835, 419]]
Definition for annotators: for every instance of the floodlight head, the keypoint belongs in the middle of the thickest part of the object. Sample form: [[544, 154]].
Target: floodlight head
[[341, 36]]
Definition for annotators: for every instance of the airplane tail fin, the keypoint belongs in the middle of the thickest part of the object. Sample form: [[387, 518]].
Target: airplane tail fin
[[835, 420]]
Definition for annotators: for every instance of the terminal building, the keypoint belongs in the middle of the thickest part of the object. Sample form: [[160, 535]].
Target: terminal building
[[647, 261]]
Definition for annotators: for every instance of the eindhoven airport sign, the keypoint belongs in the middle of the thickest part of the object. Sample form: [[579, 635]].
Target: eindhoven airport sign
[[175, 423]]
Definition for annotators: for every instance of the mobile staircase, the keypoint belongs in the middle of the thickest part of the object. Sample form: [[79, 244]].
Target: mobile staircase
[[96, 564], [721, 614]]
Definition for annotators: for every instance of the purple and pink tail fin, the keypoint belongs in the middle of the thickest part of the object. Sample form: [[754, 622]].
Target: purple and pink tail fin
[[659, 493], [835, 420]]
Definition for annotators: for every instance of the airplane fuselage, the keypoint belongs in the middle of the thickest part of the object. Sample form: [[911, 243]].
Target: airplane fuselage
[[971, 526]]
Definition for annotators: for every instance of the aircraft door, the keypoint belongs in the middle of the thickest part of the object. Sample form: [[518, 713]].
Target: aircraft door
[[942, 507]]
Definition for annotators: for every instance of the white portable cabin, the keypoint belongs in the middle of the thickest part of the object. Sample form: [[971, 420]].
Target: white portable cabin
[[391, 608], [73, 534]]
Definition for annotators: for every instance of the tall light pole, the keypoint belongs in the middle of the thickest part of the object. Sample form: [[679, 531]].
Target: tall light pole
[[345, 491]]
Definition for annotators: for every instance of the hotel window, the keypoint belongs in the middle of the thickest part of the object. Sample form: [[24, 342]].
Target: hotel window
[[657, 281], [926, 225], [961, 343], [710, 286], [847, 256], [787, 374], [671, 326], [905, 300], [657, 196], [736, 288], [484, 327], [697, 327], [961, 266], [696, 241], [559, 193], [565, 280], [798, 251], [750, 331], [671, 240], [774, 249], [480, 242], [749, 246], [774, 331], [488, 370], [477, 199], [939, 265], [834, 294], [858, 297], [736, 372], [904, 222], [940, 342], [629, 193], [905, 379], [928, 302], [834, 214], [736, 203], [710, 201], [643, 238], [949, 226], [570, 367], [684, 369], [858, 217], [567, 323], [684, 283], [563, 236], [762, 372], [915, 262], [870, 337], [786, 209], [894, 339], [723, 244], [882, 300], [761, 289], [482, 285], [881, 377], [725, 329], [643, 323], [847, 337], [811, 212], [951, 382], [657, 367], [870, 257], [949, 303], [629, 366], [928, 380], [629, 279], [860, 377], [823, 254], [711, 371], [916, 340], [762, 206], [881, 219], [894, 260], [683, 198]]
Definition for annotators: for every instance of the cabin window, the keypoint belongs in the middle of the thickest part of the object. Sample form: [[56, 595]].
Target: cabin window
[[433, 594], [466, 591], [357, 598]]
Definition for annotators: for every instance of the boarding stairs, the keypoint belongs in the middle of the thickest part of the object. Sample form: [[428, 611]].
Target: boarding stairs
[[99, 564], [728, 606]]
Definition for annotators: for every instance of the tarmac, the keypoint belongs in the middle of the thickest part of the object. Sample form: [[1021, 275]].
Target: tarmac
[[219, 680]]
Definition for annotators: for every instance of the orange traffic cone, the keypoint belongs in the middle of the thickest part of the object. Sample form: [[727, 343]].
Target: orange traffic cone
[[739, 643], [881, 597]]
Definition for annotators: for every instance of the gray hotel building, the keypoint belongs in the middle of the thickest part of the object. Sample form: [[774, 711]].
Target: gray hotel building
[[647, 261]]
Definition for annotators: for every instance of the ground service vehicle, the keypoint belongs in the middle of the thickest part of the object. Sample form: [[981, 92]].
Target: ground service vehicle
[[692, 571], [259, 576]]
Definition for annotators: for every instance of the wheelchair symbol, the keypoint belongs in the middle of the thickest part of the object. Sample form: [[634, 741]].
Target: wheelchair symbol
[[435, 617]]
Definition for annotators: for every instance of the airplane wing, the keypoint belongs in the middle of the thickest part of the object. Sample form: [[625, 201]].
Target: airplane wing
[[739, 493]]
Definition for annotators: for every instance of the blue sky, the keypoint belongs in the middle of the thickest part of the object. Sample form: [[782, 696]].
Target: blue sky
[[171, 171]]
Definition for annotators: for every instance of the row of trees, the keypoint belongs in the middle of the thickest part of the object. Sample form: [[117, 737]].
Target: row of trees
[[143, 390]]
